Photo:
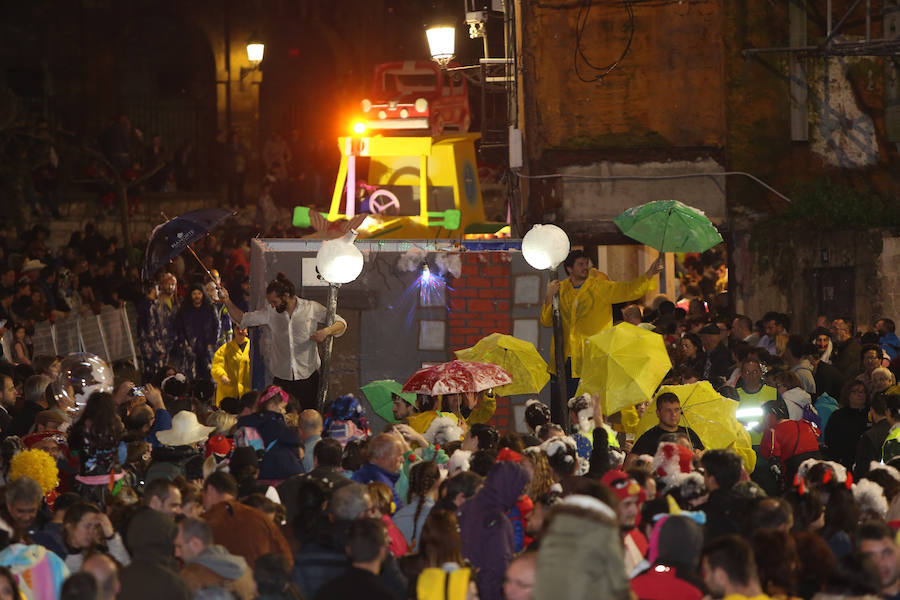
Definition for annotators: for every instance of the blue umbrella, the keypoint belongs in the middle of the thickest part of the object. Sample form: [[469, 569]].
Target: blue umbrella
[[175, 235]]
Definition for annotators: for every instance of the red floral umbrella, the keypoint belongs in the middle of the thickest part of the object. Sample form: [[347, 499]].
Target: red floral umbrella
[[456, 377]]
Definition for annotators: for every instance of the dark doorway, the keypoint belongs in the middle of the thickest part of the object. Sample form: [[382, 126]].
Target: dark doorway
[[832, 290]]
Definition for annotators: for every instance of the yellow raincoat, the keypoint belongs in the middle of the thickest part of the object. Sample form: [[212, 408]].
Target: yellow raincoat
[[230, 360], [590, 307], [482, 413]]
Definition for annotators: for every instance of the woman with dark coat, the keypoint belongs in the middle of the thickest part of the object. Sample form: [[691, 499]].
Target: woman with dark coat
[[847, 424]]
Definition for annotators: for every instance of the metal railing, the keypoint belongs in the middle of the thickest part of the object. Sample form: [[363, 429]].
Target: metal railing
[[110, 335]]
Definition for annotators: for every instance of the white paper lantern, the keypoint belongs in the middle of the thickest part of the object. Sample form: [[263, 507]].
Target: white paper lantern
[[339, 260], [545, 246]]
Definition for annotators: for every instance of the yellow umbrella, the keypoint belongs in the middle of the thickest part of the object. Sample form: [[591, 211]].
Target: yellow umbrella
[[520, 358], [623, 365], [711, 416]]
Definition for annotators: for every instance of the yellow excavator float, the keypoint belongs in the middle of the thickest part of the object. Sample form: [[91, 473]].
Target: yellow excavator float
[[417, 188]]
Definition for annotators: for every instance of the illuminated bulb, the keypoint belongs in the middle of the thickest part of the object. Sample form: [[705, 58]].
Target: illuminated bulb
[[255, 51], [441, 43], [426, 273], [545, 246], [339, 260]]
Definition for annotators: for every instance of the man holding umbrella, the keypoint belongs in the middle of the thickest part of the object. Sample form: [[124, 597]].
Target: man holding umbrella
[[292, 323], [586, 297]]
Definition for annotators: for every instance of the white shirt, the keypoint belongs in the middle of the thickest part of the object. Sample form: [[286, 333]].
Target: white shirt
[[293, 355]]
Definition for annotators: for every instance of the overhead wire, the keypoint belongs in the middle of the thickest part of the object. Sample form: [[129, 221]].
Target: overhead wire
[[584, 13]]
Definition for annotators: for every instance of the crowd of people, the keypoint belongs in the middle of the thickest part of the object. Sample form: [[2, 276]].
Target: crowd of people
[[181, 480], [92, 274]]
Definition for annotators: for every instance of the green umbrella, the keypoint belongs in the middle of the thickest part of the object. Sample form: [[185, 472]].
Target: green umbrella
[[669, 226], [380, 395]]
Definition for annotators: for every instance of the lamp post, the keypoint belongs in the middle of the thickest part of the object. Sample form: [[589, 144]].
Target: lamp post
[[544, 247], [338, 261]]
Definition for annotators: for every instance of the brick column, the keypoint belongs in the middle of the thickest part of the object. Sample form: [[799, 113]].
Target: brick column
[[479, 304]]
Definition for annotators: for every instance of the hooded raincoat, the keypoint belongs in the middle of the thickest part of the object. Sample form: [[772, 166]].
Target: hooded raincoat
[[488, 540]]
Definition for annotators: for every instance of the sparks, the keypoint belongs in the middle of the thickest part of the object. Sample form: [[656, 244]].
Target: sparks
[[430, 286]]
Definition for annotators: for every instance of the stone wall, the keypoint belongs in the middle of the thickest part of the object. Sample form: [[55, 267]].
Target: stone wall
[[80, 209], [586, 199], [667, 91], [852, 273], [889, 272]]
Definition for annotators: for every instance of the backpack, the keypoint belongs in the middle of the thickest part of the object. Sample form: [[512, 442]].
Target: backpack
[[812, 417], [248, 437]]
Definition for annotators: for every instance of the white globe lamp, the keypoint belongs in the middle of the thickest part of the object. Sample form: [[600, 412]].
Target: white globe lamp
[[545, 246], [339, 260]]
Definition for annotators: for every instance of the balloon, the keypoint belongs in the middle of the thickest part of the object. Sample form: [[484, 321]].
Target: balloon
[[80, 375]]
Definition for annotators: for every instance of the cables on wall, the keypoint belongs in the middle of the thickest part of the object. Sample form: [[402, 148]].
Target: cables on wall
[[589, 72]]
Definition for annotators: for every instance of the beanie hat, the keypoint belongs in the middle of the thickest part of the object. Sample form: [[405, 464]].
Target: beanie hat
[[219, 444]]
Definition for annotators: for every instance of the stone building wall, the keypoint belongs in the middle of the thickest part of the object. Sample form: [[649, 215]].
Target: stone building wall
[[856, 274]]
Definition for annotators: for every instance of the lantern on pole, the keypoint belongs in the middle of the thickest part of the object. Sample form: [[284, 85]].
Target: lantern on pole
[[338, 261], [544, 247]]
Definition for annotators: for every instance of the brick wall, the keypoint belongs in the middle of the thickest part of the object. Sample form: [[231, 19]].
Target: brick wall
[[479, 304]]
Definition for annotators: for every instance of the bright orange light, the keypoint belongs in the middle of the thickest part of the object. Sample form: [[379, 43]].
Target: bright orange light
[[359, 128]]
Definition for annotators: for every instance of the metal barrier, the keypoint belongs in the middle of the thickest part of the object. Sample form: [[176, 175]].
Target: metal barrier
[[110, 335]]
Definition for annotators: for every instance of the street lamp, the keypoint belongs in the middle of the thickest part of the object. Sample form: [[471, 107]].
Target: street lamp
[[256, 49], [338, 261], [441, 43], [544, 247]]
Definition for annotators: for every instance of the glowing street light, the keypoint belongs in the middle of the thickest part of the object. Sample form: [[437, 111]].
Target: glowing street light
[[256, 49], [545, 247], [338, 261], [441, 43]]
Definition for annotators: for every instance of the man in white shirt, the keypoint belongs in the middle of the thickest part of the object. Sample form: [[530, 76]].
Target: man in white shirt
[[292, 323]]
